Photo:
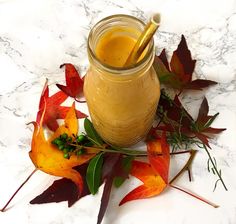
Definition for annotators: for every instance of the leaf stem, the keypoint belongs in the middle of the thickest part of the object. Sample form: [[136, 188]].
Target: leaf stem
[[186, 166], [214, 167], [195, 196], [5, 206]]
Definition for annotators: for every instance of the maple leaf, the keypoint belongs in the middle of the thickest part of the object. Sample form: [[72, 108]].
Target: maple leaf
[[54, 110], [178, 74], [154, 175], [47, 158], [203, 123], [74, 84], [178, 121]]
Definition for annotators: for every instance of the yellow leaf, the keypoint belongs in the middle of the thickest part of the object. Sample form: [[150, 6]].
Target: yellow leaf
[[49, 159]]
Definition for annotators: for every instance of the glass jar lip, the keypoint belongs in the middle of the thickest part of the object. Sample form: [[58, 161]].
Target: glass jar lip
[[113, 69]]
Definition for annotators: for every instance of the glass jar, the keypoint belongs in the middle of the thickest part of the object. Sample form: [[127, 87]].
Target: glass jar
[[122, 101]]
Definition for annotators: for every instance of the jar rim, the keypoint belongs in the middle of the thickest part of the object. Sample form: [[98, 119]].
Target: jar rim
[[113, 69]]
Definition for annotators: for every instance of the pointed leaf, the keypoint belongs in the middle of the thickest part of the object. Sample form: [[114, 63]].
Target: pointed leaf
[[53, 109], [74, 84], [185, 58], [112, 165], [47, 158], [160, 163], [153, 183], [91, 132], [200, 84], [164, 60], [94, 172], [105, 198], [63, 190]]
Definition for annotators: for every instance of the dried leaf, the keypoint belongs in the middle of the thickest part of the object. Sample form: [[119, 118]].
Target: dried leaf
[[178, 74], [153, 183], [111, 167], [47, 158], [160, 164], [177, 120], [53, 109], [154, 175], [63, 190], [74, 84]]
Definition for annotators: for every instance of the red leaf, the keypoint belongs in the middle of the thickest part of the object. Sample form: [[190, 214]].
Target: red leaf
[[199, 84], [111, 167], [203, 123], [160, 164], [203, 138], [185, 58], [53, 109], [153, 182], [178, 74], [154, 175], [203, 111], [74, 84], [63, 190], [214, 130], [178, 69], [164, 60]]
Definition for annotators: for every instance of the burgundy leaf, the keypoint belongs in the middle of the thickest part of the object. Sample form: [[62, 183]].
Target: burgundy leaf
[[203, 110], [105, 198], [64, 190], [164, 60], [178, 69], [199, 84], [111, 167], [211, 130], [203, 138], [61, 190], [185, 58]]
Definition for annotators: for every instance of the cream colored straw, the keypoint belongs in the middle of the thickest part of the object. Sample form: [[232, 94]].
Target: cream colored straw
[[144, 39]]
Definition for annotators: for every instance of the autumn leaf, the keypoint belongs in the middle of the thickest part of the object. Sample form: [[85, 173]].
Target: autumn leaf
[[47, 158], [64, 190], [154, 175], [203, 122], [176, 120], [178, 73], [54, 110], [112, 163], [74, 84]]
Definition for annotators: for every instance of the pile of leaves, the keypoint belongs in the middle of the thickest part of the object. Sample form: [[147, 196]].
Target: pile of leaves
[[85, 161]]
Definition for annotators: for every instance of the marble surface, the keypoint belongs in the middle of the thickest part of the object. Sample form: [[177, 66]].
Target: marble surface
[[37, 36]]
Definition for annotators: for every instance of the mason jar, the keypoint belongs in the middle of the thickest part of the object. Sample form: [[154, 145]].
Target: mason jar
[[122, 100]]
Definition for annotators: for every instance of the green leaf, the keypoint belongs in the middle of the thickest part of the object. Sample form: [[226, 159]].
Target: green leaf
[[94, 172], [91, 132], [126, 166]]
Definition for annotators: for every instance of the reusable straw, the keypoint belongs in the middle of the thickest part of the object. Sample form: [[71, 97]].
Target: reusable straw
[[144, 39]]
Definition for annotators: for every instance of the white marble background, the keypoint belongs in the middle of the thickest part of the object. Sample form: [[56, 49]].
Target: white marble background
[[37, 36]]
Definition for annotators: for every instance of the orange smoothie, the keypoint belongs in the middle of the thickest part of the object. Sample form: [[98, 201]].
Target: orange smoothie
[[122, 102]]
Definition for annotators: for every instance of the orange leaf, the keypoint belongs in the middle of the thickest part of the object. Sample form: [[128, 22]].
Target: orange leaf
[[47, 158], [153, 183], [154, 175], [159, 163]]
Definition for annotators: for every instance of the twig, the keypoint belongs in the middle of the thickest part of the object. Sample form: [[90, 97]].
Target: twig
[[195, 196], [4, 208], [186, 166]]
